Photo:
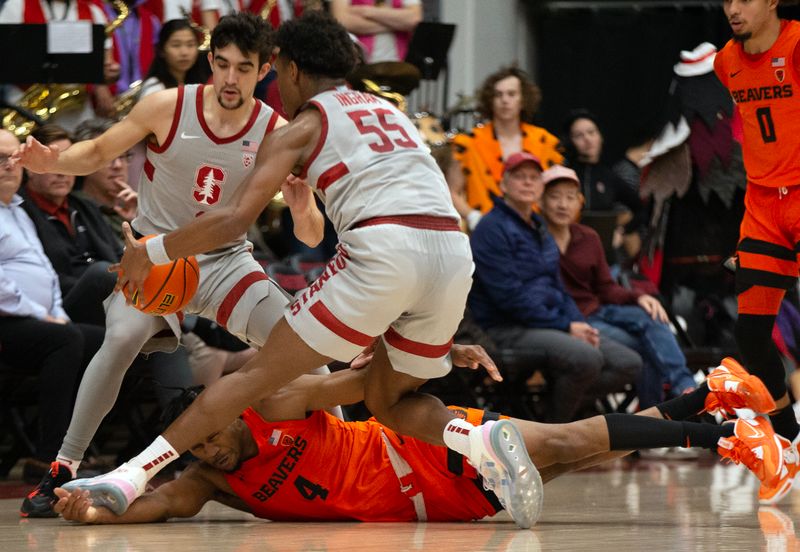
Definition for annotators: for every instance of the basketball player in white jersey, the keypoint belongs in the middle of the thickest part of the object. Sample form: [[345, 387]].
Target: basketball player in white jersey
[[202, 143], [402, 273]]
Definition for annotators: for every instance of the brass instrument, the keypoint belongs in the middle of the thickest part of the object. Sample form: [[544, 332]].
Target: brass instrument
[[122, 14], [44, 100], [205, 46], [269, 5], [125, 101], [397, 99]]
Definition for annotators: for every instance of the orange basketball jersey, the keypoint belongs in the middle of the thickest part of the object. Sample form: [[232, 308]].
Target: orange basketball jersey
[[765, 89], [321, 468]]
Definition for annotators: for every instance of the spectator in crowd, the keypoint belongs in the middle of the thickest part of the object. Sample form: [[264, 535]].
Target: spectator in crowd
[[507, 100], [630, 317], [36, 334], [602, 188], [519, 298], [81, 246], [75, 236], [383, 27], [177, 59], [43, 11], [107, 187]]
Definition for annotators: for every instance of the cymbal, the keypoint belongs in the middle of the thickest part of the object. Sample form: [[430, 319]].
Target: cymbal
[[399, 76]]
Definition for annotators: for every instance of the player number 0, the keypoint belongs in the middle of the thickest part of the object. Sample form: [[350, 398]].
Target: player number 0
[[764, 116]]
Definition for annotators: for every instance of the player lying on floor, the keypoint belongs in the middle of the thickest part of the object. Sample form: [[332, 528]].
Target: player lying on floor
[[287, 459]]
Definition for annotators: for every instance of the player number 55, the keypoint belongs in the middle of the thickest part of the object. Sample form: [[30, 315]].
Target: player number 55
[[381, 130]]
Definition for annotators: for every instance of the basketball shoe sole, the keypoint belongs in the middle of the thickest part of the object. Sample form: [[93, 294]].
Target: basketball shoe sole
[[518, 484], [115, 490]]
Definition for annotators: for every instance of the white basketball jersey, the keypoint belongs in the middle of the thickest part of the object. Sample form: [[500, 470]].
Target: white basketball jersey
[[194, 171], [370, 161]]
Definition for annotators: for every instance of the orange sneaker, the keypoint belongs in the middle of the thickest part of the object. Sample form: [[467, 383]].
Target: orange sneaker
[[733, 387], [755, 444], [770, 494]]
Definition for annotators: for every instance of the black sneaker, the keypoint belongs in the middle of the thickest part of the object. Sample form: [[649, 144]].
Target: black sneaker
[[39, 503]]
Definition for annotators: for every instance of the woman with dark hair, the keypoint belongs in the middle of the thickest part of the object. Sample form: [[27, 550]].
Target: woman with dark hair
[[178, 60], [602, 188], [507, 100]]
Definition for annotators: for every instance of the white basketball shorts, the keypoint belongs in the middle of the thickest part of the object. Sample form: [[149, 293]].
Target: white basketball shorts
[[405, 278]]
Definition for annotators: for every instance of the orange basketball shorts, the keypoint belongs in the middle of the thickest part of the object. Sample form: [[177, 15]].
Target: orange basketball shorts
[[768, 246]]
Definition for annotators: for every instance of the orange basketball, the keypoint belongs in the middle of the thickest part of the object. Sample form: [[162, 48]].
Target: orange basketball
[[168, 287]]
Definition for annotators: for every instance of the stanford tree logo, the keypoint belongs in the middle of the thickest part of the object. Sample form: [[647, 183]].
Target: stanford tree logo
[[208, 181]]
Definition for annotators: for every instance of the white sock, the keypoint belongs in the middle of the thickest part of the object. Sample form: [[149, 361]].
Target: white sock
[[155, 457], [456, 436], [71, 464]]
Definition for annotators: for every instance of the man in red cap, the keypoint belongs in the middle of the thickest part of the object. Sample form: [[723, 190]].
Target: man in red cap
[[519, 299]]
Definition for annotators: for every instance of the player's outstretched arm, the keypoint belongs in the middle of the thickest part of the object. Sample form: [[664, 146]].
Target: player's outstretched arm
[[282, 152], [183, 497], [88, 156]]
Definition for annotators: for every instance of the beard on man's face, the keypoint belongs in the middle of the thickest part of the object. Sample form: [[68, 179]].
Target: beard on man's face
[[742, 37], [231, 107]]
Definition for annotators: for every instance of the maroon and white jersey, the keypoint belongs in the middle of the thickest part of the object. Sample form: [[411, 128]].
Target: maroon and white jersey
[[370, 161], [194, 171]]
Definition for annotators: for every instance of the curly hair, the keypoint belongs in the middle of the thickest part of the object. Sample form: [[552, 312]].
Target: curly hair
[[531, 94], [318, 44], [246, 31]]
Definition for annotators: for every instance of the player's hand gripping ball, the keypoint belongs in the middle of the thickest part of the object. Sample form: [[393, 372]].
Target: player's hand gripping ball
[[168, 288]]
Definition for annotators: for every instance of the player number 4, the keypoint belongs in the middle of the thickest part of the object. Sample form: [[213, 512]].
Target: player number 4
[[382, 130], [310, 490]]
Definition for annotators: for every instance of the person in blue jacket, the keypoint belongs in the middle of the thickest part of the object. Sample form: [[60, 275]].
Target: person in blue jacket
[[519, 299]]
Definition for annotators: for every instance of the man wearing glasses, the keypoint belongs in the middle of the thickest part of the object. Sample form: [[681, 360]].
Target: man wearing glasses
[[108, 186]]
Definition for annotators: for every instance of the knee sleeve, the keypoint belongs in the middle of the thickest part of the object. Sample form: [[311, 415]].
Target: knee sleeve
[[754, 338]]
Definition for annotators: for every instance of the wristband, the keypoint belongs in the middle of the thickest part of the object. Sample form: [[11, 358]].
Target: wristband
[[156, 251], [473, 218]]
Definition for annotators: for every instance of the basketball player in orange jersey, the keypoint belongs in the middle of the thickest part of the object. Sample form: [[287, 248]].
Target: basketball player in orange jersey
[[760, 67], [403, 273], [286, 459], [201, 146]]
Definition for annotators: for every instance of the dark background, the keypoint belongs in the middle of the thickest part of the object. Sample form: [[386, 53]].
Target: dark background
[[617, 61]]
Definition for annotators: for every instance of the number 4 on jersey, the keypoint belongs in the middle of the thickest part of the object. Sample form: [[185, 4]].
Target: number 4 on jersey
[[310, 490]]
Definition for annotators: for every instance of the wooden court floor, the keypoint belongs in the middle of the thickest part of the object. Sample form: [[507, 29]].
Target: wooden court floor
[[636, 505]]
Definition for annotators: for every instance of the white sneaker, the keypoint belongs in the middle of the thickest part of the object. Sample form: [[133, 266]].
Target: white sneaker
[[115, 490], [500, 456]]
